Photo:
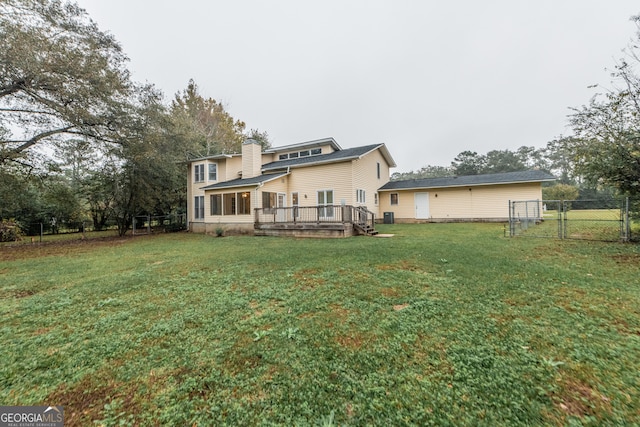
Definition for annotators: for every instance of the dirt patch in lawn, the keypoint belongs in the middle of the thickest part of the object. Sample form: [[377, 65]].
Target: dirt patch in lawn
[[402, 265], [84, 402], [627, 259], [578, 399], [307, 279]]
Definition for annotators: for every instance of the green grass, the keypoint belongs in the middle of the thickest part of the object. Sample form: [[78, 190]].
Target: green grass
[[443, 324]]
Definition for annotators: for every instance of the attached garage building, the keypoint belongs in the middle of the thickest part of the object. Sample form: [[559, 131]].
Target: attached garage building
[[463, 198]]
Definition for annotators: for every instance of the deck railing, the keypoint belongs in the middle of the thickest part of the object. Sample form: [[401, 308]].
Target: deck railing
[[343, 214]]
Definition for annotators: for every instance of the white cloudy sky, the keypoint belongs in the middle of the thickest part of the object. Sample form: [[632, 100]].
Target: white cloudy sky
[[428, 78]]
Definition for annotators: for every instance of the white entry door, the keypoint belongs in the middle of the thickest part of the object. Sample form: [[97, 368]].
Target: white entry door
[[422, 205]]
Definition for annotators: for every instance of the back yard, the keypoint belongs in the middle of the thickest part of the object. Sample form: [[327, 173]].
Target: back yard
[[443, 324]]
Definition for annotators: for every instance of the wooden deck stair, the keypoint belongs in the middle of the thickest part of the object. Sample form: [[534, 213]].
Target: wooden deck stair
[[365, 229]]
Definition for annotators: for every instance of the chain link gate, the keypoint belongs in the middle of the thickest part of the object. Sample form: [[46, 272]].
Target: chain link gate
[[603, 220]]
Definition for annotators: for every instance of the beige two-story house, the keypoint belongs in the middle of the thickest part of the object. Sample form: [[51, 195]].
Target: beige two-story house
[[313, 179]]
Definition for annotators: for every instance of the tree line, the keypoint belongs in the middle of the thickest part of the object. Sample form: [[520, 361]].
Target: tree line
[[80, 140]]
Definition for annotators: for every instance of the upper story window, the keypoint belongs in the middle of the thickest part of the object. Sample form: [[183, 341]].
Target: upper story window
[[198, 173], [303, 153], [378, 166], [213, 172]]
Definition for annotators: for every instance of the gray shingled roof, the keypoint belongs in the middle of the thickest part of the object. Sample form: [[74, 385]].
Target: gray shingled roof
[[344, 154], [247, 182], [470, 180]]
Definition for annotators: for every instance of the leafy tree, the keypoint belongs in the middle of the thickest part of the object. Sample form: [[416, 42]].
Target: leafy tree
[[468, 163], [61, 204], [203, 127], [497, 161], [428, 171], [261, 137], [59, 76], [560, 160], [606, 149], [99, 189], [560, 192]]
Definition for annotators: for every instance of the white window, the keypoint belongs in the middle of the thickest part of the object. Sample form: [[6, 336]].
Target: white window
[[378, 170], [360, 196], [375, 198], [215, 202], [198, 172], [198, 206], [213, 172], [325, 198]]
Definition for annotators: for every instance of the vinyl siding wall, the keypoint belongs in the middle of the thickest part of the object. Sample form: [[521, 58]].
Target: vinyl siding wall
[[232, 167], [279, 185], [459, 203], [365, 177], [308, 180]]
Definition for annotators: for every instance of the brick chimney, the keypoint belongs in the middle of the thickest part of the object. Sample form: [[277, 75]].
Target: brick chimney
[[251, 158]]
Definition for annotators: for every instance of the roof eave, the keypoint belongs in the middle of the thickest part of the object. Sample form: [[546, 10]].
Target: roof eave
[[322, 162], [315, 142], [254, 184], [469, 185], [214, 157]]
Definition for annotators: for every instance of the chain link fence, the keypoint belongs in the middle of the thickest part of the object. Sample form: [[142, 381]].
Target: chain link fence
[[147, 224], [603, 220], [59, 231]]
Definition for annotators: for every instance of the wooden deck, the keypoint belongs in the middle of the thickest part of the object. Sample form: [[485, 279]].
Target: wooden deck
[[314, 221]]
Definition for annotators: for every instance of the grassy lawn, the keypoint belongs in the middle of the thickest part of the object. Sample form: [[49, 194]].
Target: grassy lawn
[[443, 324]]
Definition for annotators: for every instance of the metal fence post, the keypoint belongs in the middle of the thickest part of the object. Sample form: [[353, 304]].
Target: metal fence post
[[512, 206], [559, 209], [41, 231], [564, 219], [148, 224], [627, 224]]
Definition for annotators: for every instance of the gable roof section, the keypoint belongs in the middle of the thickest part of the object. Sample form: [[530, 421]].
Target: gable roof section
[[248, 182], [470, 180], [337, 156]]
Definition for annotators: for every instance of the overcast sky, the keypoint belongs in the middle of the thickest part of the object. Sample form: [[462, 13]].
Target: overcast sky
[[428, 78]]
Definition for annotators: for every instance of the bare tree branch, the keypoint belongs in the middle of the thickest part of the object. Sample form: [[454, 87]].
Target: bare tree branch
[[41, 136]]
